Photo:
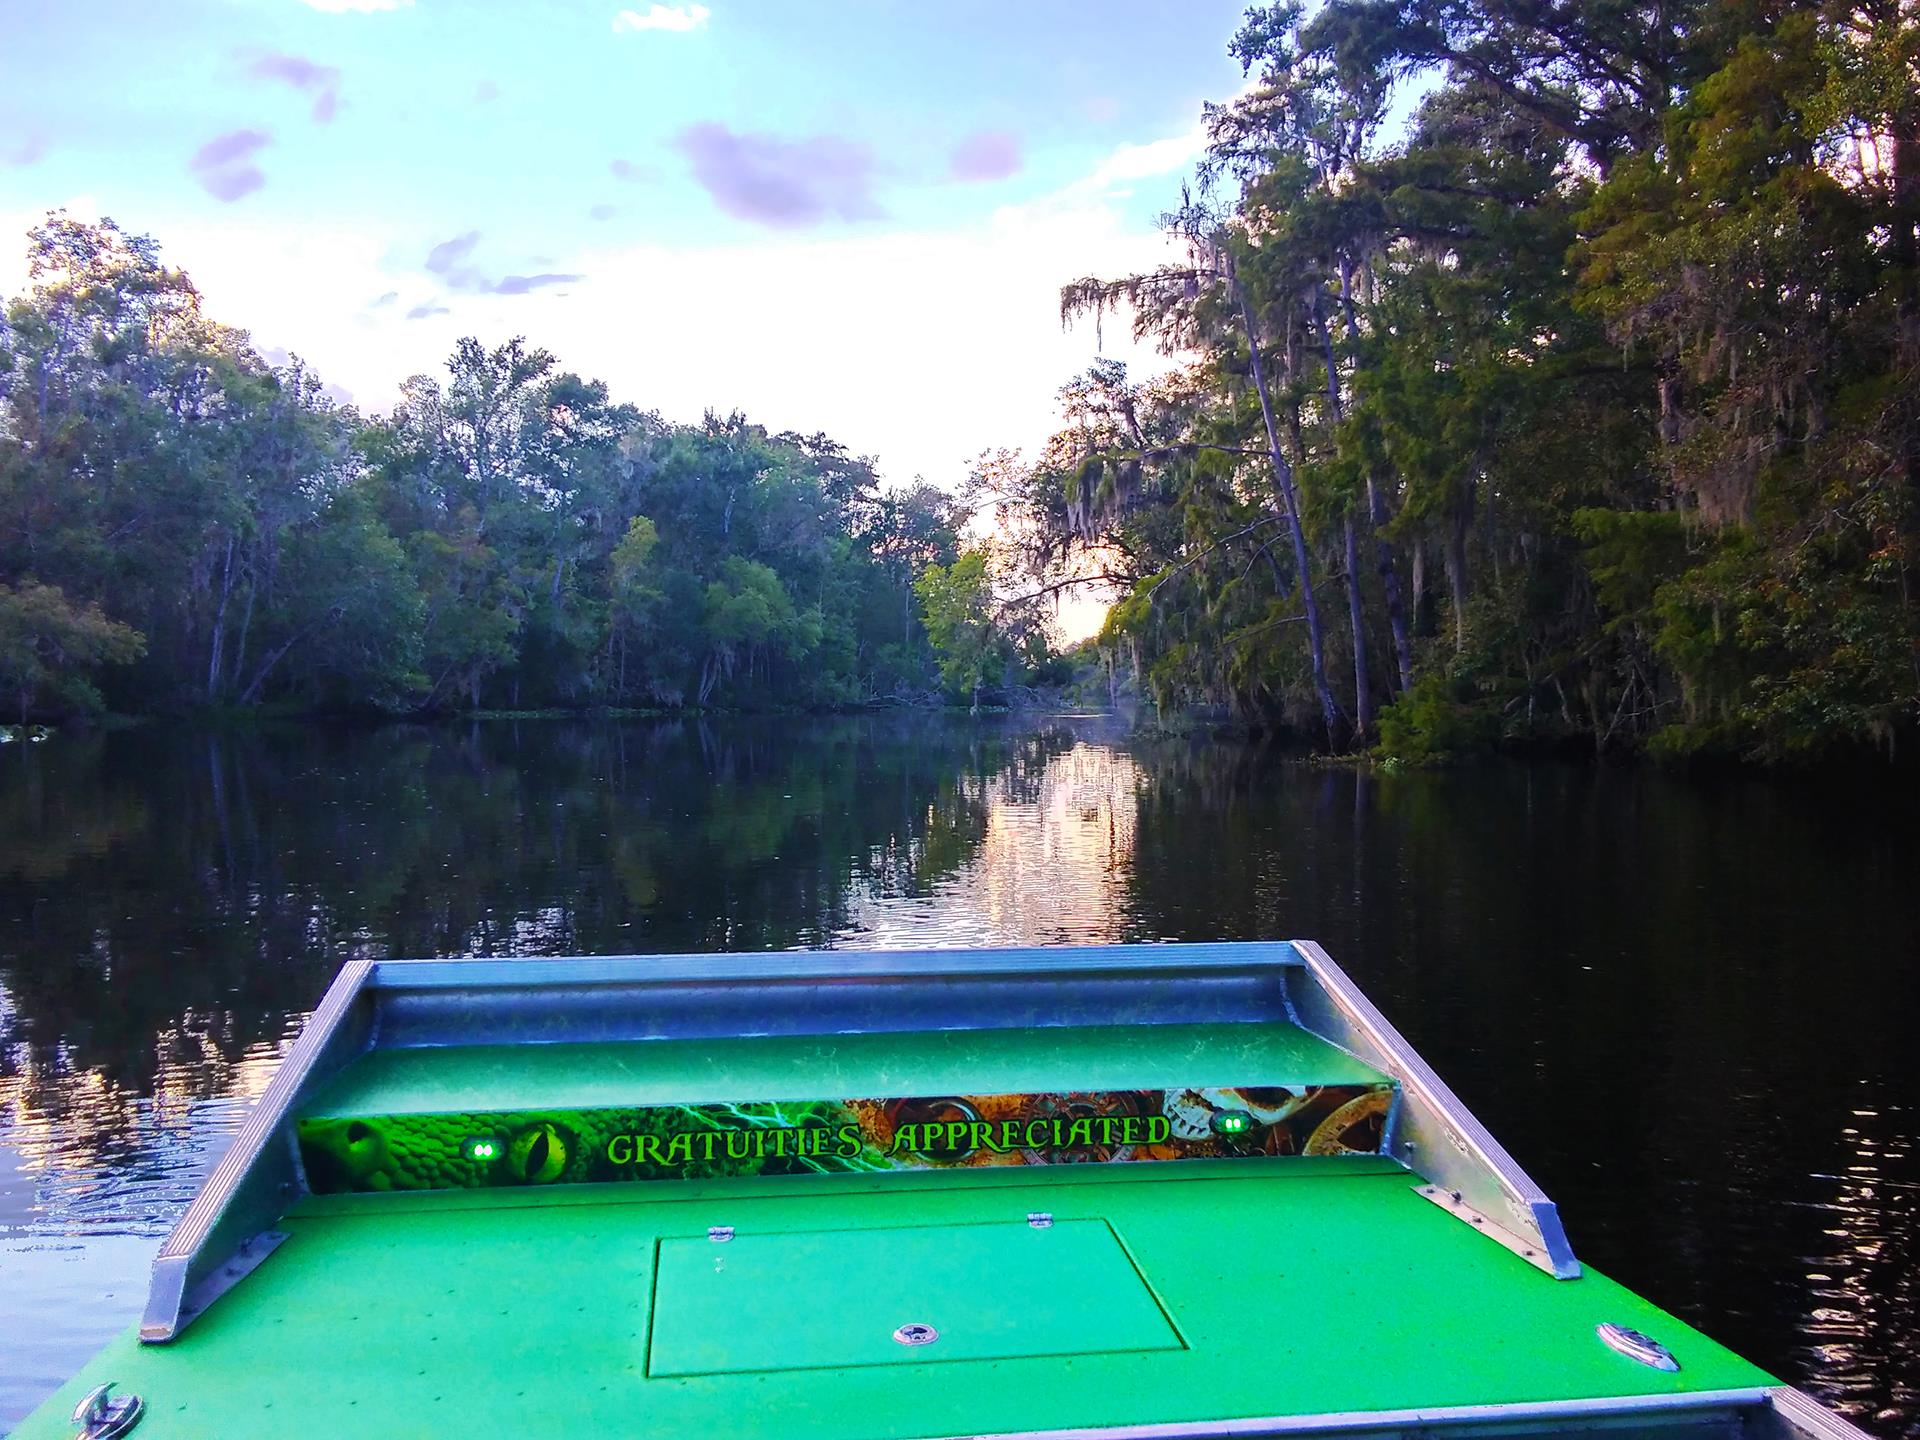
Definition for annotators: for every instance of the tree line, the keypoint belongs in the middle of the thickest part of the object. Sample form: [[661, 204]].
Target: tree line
[[1544, 373], [1580, 403], [183, 524]]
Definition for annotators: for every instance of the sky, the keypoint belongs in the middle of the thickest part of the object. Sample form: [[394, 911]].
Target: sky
[[849, 217]]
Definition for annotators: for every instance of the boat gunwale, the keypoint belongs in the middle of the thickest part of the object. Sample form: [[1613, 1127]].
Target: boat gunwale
[[1791, 1411], [1420, 1084]]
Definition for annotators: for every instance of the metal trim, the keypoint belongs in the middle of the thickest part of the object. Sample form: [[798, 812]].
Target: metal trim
[[1626, 1408], [185, 1260], [1802, 1417], [1387, 1048], [1527, 1248], [229, 1273], [838, 965]]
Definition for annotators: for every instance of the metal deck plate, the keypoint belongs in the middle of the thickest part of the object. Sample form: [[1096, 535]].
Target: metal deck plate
[[836, 1299]]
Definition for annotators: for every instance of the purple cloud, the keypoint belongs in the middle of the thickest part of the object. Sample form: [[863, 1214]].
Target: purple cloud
[[448, 260], [633, 174], [425, 309], [602, 212], [781, 183], [224, 165], [23, 152], [986, 155], [444, 258], [523, 284], [322, 82]]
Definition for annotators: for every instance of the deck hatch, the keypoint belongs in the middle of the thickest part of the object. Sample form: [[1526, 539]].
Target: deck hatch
[[818, 1300]]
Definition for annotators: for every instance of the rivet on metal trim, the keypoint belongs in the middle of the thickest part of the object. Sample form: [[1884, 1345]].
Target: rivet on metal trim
[[1635, 1346], [916, 1334]]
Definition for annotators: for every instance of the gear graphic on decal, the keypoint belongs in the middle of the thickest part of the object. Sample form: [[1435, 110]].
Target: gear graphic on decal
[[1083, 1107], [1356, 1128]]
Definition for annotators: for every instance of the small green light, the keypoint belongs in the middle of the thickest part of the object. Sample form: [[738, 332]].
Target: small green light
[[482, 1149], [1232, 1122]]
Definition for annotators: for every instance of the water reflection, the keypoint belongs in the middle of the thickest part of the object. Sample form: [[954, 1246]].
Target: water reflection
[[1687, 1005], [1040, 853]]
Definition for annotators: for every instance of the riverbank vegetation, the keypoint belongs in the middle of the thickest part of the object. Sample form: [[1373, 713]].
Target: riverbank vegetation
[[183, 524], [1542, 374], [1580, 402]]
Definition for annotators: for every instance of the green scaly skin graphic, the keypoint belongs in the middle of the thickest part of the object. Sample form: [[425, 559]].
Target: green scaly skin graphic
[[431, 1152], [434, 1152]]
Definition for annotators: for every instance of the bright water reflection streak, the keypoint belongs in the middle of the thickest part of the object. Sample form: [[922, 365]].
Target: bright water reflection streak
[[1686, 1004]]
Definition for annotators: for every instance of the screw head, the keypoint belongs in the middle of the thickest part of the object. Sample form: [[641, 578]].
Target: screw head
[[916, 1334]]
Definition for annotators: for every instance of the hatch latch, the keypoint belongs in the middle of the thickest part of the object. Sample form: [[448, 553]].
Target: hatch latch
[[102, 1416]]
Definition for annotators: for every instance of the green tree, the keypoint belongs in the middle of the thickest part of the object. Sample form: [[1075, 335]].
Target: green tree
[[960, 618], [48, 646]]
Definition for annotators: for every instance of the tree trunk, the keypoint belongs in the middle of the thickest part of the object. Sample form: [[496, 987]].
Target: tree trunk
[[266, 666], [220, 625], [1390, 584], [239, 663], [1356, 616], [1356, 603], [1906, 266], [1377, 513], [1457, 573], [1290, 510]]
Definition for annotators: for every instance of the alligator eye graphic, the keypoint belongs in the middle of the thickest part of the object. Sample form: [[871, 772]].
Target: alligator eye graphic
[[537, 1154], [361, 1137]]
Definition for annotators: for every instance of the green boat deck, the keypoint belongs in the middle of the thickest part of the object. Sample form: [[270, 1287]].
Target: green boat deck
[[578, 1311]]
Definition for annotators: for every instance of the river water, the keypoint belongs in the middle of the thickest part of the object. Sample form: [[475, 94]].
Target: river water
[[1688, 1005]]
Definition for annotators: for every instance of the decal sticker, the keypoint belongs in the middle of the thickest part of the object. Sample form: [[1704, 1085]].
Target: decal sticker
[[691, 1142]]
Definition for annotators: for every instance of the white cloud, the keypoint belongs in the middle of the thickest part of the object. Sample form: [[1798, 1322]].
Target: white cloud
[[317, 310], [1143, 162], [922, 348], [355, 7], [676, 18]]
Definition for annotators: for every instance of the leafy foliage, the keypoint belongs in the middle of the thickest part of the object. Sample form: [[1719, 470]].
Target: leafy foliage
[[959, 606], [182, 523], [47, 644], [1595, 395]]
